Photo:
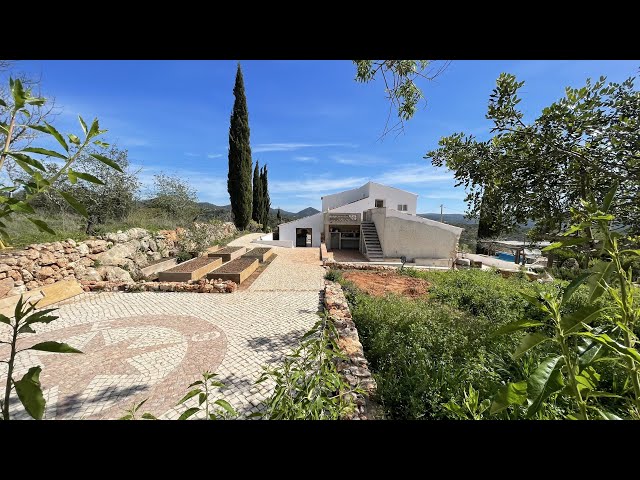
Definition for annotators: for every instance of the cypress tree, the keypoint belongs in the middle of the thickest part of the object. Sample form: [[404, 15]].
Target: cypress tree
[[257, 195], [266, 201], [279, 216], [239, 180]]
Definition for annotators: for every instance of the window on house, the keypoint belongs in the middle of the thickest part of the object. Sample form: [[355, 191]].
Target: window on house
[[379, 203], [402, 208]]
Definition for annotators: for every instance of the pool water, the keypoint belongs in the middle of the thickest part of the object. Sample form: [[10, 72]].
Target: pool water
[[507, 257]]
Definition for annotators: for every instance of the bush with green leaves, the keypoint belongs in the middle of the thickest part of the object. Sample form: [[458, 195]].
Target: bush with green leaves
[[307, 383], [15, 199], [593, 364], [28, 388], [218, 409]]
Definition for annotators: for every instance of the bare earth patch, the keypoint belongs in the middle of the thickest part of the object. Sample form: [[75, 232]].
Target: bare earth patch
[[381, 283]]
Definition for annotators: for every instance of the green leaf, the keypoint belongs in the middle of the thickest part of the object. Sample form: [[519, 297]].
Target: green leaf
[[188, 413], [198, 382], [137, 407], [201, 398], [255, 415], [5, 319], [509, 394], [73, 139], [192, 393], [28, 160], [608, 198], [44, 151], [2, 103], [607, 415], [518, 325], [57, 136], [72, 176], [101, 143], [94, 130], [565, 243], [604, 395], [88, 177], [631, 252], [18, 93], [224, 404], [107, 161], [77, 206], [543, 382], [573, 286], [600, 273], [83, 125], [126, 417], [29, 392], [38, 101], [603, 217], [21, 206], [42, 226], [56, 347], [528, 342], [587, 380], [148, 416], [26, 329], [41, 316], [585, 315], [611, 343]]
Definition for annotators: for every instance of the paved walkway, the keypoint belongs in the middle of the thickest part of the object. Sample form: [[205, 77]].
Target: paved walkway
[[153, 344]]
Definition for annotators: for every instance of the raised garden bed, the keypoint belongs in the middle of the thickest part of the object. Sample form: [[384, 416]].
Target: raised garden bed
[[236, 270], [229, 253], [193, 269], [261, 253], [153, 268]]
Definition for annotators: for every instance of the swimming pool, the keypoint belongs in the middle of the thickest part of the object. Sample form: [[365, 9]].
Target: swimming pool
[[507, 257]]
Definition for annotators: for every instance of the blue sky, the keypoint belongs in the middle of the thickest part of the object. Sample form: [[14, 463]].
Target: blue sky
[[316, 128]]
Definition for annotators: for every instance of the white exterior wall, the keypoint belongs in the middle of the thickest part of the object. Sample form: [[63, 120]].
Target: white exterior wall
[[415, 237], [314, 222], [342, 198], [393, 197], [268, 240]]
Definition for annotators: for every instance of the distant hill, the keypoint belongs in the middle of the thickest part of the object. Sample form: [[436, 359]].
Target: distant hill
[[302, 213], [306, 212], [451, 218]]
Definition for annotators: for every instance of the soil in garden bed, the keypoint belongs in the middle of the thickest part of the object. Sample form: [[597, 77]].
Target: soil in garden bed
[[381, 283], [227, 250], [252, 278], [191, 265], [257, 251], [234, 266]]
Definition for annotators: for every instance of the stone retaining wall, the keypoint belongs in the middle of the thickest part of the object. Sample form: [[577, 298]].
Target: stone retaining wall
[[355, 369], [201, 286], [114, 257]]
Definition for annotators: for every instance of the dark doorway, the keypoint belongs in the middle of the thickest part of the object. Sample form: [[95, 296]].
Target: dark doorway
[[303, 237]]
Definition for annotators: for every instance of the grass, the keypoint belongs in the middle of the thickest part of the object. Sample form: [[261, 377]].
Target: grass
[[426, 352]]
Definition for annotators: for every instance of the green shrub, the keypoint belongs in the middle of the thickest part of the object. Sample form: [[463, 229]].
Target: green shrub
[[333, 275], [423, 354], [426, 353]]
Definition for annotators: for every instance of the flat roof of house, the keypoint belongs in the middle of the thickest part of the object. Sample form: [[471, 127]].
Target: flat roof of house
[[364, 184]]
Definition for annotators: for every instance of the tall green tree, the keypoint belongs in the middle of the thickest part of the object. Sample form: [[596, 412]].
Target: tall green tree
[[257, 194], [266, 201], [240, 163], [577, 148], [279, 216]]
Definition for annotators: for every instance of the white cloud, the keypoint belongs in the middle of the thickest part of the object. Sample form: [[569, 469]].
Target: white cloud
[[214, 155], [412, 174], [288, 147], [189, 154], [359, 159], [306, 159], [317, 186]]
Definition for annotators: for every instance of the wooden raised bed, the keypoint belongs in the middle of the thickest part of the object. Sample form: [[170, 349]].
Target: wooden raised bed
[[193, 269], [158, 266], [236, 270], [229, 253], [212, 249], [261, 253]]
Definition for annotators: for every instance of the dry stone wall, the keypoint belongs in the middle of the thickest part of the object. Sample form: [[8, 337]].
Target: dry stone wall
[[355, 368], [114, 257]]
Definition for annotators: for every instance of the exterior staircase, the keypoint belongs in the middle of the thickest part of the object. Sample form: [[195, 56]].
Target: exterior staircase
[[372, 242]]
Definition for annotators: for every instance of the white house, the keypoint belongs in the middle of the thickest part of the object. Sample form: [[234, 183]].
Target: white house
[[377, 220]]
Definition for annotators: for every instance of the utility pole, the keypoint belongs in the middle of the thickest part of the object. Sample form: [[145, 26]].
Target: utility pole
[[441, 216]]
